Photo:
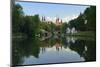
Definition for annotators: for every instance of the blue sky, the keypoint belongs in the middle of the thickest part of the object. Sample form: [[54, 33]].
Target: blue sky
[[51, 11]]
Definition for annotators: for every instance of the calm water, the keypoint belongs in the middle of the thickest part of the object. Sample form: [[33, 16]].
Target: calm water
[[53, 50]]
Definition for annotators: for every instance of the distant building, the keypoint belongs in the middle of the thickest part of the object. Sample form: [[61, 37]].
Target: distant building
[[71, 30], [58, 22], [43, 19], [68, 30]]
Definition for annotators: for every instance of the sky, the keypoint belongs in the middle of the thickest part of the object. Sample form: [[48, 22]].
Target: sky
[[52, 11]]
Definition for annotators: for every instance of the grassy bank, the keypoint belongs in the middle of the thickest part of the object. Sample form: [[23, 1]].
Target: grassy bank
[[19, 35], [83, 34]]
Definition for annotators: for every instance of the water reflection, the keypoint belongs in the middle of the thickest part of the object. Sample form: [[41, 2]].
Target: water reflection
[[52, 50]]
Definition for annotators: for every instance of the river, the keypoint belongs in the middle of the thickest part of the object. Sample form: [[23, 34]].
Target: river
[[53, 50]]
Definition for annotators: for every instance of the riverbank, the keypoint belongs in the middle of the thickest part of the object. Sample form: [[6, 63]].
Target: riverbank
[[83, 34], [19, 35], [80, 34]]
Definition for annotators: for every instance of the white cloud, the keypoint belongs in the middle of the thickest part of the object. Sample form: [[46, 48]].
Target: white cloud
[[48, 18], [68, 18], [53, 19]]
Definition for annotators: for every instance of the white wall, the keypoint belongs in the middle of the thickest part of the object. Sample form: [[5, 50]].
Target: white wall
[[5, 34], [93, 2]]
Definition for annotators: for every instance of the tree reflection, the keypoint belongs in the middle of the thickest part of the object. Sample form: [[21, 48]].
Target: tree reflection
[[85, 48], [24, 48], [33, 47], [91, 51]]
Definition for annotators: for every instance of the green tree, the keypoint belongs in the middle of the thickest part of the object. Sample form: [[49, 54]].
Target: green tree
[[64, 27], [17, 18], [31, 26], [90, 16]]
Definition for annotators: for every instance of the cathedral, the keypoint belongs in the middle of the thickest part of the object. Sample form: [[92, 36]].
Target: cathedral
[[58, 22]]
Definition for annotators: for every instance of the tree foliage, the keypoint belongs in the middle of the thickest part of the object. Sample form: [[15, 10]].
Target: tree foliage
[[89, 16], [24, 24], [17, 18]]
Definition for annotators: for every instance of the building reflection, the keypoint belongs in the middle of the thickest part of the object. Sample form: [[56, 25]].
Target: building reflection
[[25, 48]]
